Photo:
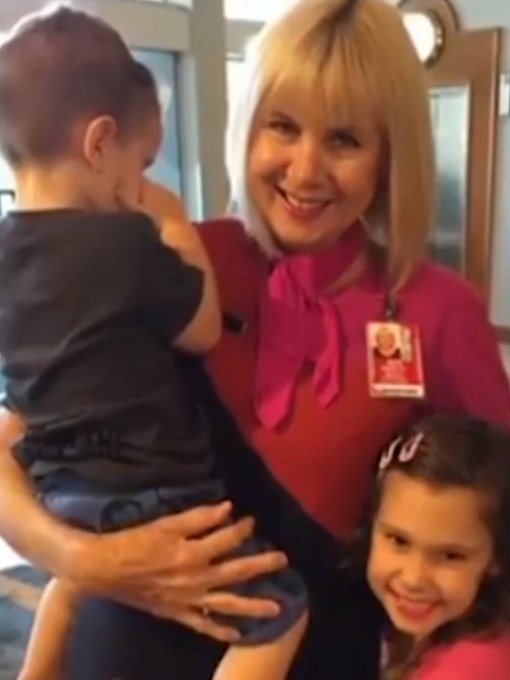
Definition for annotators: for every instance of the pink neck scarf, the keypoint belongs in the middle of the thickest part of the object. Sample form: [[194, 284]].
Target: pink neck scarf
[[300, 326]]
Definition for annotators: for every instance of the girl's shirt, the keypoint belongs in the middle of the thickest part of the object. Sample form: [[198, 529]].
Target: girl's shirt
[[482, 659]]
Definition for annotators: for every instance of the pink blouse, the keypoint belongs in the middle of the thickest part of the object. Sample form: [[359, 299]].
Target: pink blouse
[[468, 660]]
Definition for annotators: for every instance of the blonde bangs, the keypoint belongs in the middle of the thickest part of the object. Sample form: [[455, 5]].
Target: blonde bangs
[[342, 95]]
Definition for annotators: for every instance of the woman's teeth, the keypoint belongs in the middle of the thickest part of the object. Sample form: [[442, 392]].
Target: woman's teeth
[[302, 202]]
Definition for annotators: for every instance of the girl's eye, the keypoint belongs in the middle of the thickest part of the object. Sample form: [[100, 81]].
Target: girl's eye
[[452, 556], [397, 540]]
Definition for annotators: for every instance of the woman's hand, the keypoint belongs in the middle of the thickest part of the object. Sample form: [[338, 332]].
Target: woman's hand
[[170, 569]]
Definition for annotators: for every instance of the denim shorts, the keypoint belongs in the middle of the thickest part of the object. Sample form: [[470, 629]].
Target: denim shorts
[[78, 503]]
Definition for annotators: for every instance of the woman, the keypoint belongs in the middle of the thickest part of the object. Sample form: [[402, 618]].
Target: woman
[[330, 154]]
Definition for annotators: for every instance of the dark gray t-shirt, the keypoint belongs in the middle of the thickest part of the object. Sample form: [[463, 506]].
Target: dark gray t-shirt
[[89, 306]]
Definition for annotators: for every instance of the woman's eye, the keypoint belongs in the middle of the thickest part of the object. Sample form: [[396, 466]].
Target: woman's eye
[[282, 127], [342, 139]]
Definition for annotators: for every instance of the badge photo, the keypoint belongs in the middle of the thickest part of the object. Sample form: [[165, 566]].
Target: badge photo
[[395, 366]]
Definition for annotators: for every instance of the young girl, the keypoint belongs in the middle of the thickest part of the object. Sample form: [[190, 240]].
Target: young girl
[[439, 559]]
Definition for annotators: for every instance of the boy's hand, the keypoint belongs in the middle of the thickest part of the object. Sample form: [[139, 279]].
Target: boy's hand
[[154, 200], [178, 234], [129, 197]]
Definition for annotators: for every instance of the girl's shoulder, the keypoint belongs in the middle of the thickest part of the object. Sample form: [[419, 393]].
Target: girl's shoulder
[[469, 659]]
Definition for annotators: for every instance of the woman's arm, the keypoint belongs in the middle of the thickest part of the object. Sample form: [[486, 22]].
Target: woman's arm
[[23, 523], [473, 378], [169, 567]]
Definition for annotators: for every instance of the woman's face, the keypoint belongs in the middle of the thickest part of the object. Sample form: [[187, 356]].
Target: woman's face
[[386, 341], [310, 178]]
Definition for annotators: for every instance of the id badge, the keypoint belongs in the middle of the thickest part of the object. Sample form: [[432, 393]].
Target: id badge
[[395, 365]]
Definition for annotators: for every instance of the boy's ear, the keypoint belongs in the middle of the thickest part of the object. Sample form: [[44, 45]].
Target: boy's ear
[[98, 141]]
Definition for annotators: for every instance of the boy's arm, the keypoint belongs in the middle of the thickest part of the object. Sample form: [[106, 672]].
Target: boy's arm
[[45, 654], [204, 329]]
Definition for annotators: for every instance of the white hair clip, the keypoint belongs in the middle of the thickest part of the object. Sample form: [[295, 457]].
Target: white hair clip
[[406, 450], [387, 456]]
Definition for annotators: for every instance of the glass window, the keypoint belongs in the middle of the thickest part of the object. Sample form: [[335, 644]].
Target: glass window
[[450, 118], [6, 187], [167, 168], [6, 183]]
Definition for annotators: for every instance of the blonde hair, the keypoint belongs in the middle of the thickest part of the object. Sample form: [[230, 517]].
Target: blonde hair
[[354, 57]]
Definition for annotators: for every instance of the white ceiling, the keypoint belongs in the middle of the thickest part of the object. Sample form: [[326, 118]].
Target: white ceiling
[[261, 10]]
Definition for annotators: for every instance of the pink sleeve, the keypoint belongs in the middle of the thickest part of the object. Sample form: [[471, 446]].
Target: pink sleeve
[[469, 662], [473, 379]]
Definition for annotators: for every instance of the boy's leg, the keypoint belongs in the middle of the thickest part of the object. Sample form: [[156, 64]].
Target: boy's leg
[[269, 661], [268, 646], [45, 654]]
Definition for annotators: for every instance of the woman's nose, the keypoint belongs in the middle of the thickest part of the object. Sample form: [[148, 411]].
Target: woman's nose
[[306, 167]]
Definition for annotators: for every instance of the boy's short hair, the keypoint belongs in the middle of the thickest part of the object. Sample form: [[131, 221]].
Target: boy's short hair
[[57, 67]]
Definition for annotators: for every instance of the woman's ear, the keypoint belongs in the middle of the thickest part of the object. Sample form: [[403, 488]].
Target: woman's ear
[[99, 141]]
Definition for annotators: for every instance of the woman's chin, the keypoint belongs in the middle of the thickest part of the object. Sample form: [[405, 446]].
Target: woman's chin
[[302, 241], [302, 236]]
